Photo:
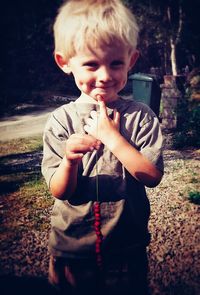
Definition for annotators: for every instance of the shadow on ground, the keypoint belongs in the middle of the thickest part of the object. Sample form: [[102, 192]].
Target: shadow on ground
[[10, 285], [22, 162], [17, 169]]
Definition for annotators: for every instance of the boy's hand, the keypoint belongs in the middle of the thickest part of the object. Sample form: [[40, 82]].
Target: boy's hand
[[79, 144], [100, 125]]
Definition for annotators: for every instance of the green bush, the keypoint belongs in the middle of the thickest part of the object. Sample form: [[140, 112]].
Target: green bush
[[188, 126], [194, 197]]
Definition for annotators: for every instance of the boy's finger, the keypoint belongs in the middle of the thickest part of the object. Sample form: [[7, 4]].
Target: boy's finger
[[116, 117], [74, 156], [99, 98], [93, 114], [102, 105]]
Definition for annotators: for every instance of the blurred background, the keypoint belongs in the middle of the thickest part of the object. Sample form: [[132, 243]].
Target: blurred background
[[169, 44]]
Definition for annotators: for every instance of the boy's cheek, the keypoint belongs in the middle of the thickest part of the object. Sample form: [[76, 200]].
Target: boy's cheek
[[124, 83], [83, 87]]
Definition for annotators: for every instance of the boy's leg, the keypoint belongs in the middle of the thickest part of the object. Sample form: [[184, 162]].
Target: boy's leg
[[89, 279], [138, 272], [58, 273], [75, 276]]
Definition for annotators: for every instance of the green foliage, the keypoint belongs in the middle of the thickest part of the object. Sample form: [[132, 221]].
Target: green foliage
[[188, 129], [194, 197]]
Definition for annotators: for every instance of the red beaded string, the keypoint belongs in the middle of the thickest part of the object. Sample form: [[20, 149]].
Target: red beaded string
[[97, 226]]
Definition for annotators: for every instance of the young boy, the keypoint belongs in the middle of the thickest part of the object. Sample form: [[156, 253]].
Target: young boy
[[99, 154]]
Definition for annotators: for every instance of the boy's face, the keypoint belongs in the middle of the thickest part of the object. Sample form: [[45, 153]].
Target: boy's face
[[102, 70]]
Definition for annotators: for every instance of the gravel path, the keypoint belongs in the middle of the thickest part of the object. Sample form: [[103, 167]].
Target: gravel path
[[174, 253]]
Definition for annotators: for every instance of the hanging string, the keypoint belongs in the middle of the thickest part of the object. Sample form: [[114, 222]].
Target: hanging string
[[97, 215], [97, 171]]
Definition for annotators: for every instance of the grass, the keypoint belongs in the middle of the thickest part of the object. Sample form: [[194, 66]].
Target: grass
[[21, 145], [23, 189]]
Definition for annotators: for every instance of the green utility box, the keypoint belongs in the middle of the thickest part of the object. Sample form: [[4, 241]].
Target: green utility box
[[146, 89]]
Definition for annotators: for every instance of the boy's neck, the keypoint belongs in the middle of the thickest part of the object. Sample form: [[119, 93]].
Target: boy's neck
[[84, 98]]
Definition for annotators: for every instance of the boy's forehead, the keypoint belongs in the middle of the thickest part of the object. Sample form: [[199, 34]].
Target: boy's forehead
[[102, 50]]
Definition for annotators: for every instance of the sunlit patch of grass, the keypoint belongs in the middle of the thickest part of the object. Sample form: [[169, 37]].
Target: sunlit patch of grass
[[21, 145]]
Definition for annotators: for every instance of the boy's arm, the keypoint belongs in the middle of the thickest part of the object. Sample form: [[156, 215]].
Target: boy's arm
[[64, 181], [133, 160]]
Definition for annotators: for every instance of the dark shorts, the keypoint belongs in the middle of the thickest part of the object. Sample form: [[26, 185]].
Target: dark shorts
[[120, 275]]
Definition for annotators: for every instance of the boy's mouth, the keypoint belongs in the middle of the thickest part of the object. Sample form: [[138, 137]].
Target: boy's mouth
[[104, 87]]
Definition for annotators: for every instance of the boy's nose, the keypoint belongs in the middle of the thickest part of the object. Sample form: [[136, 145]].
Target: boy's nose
[[104, 74]]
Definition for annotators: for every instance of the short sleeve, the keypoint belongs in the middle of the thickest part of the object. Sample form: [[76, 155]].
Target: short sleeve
[[54, 138], [149, 140]]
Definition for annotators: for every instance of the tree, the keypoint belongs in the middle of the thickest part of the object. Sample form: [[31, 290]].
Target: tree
[[168, 30], [175, 19]]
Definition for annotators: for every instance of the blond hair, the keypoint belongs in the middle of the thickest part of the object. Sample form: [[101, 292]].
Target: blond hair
[[81, 23]]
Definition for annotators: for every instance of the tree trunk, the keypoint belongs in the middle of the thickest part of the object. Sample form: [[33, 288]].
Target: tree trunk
[[173, 57], [175, 36]]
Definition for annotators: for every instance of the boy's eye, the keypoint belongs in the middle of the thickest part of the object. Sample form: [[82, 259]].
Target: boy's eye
[[90, 64], [117, 63]]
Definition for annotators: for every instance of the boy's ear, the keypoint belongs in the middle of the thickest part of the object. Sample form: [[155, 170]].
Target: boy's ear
[[62, 62], [133, 59]]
